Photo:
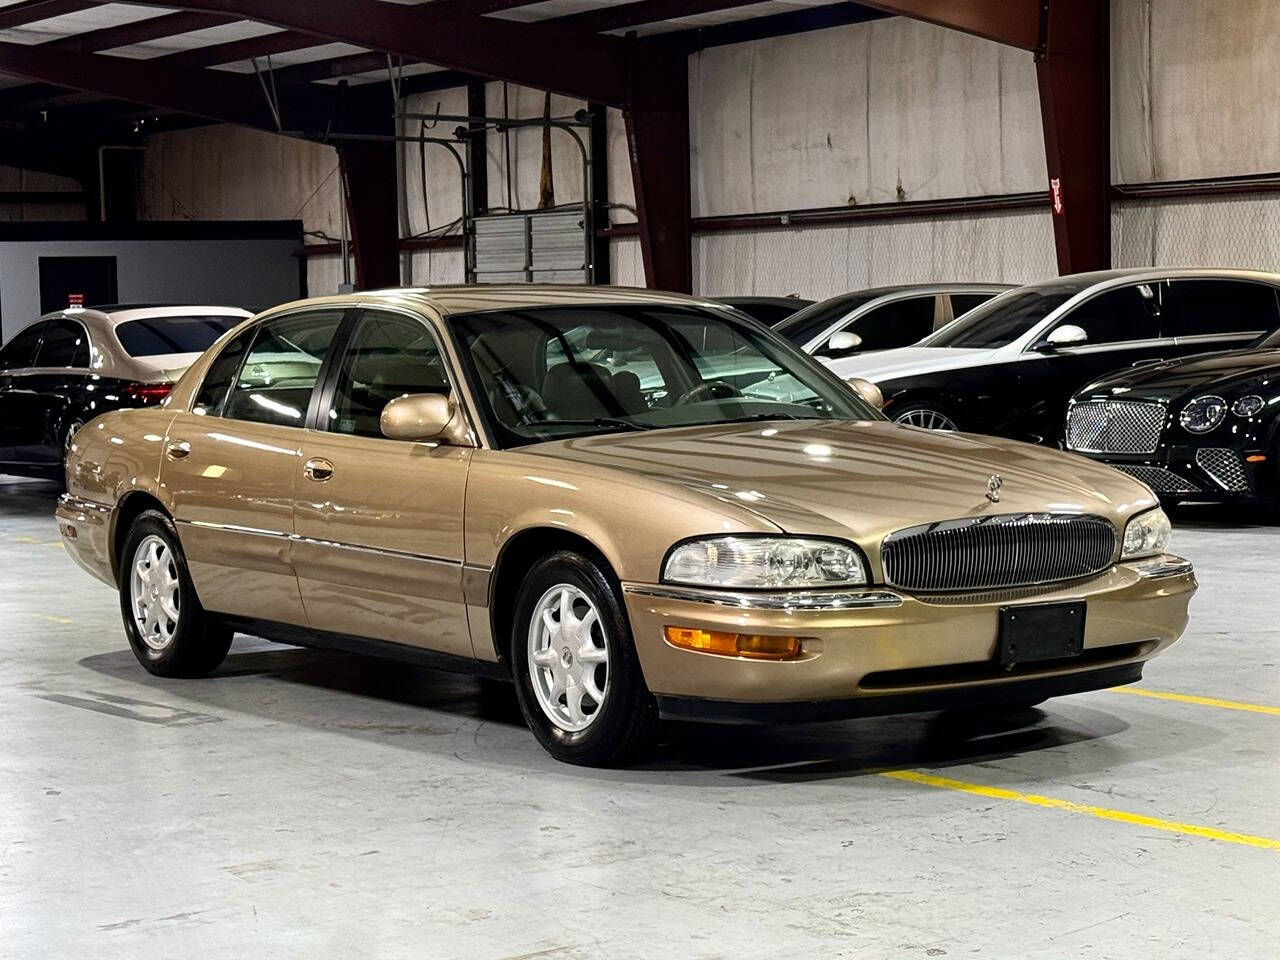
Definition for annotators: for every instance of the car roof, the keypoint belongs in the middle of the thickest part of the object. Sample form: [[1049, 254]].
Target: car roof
[[459, 299], [1083, 281], [797, 302]]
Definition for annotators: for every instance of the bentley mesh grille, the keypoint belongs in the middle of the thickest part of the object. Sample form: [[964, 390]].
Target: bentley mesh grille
[[1159, 479], [1225, 467], [988, 553], [1114, 426]]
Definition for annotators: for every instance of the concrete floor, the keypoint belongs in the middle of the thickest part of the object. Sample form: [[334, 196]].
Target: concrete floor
[[321, 805]]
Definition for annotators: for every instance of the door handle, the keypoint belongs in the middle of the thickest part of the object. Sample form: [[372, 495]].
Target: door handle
[[177, 450], [318, 469]]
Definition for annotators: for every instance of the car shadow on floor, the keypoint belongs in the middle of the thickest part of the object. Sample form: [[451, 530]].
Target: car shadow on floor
[[449, 712], [1212, 516], [21, 498]]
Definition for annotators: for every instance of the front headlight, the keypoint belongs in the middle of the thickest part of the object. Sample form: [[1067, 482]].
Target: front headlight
[[1248, 406], [746, 562], [1146, 535], [1203, 414]]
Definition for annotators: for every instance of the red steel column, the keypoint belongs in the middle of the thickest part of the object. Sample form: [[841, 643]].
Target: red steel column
[[658, 141], [1074, 72], [369, 178]]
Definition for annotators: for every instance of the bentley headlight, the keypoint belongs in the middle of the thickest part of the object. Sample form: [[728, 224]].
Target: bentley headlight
[[746, 562], [1248, 406], [1146, 535], [1203, 414]]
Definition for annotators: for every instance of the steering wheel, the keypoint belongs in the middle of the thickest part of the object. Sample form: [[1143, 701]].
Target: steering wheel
[[710, 390]]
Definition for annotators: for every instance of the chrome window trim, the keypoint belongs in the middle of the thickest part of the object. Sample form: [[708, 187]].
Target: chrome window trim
[[770, 600]]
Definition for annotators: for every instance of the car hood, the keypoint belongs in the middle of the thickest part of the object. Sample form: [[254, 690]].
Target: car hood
[[905, 362], [1172, 378], [860, 480]]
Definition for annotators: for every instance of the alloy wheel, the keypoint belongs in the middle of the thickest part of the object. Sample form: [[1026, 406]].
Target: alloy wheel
[[154, 592], [568, 658], [926, 418]]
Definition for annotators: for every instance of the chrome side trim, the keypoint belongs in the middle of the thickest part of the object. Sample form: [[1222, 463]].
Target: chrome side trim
[[777, 600], [1166, 566], [313, 541]]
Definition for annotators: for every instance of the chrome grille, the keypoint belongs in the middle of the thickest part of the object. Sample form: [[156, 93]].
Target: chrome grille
[[986, 553], [1225, 467], [1114, 426], [1159, 479]]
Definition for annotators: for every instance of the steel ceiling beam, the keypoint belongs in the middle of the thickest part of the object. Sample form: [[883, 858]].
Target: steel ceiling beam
[[600, 68], [33, 11], [221, 96], [1012, 22]]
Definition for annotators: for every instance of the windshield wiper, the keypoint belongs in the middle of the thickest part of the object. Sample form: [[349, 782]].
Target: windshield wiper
[[592, 422]]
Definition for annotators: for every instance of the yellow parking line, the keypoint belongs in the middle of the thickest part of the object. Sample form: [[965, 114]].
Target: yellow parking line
[[50, 617], [1102, 813], [1201, 701]]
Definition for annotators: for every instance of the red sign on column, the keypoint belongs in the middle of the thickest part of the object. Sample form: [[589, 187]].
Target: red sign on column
[[1055, 187], [75, 300]]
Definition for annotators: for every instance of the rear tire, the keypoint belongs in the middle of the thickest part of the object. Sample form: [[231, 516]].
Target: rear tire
[[575, 667], [925, 415], [168, 630]]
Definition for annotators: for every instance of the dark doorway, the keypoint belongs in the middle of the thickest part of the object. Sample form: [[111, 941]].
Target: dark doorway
[[61, 277]]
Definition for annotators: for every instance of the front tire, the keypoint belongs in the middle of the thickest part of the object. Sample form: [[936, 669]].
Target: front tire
[[577, 676], [168, 630]]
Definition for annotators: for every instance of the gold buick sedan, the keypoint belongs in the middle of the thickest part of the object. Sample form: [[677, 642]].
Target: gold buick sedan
[[576, 488]]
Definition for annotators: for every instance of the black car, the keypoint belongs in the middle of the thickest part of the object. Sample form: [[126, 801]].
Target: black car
[[770, 311], [1203, 428], [1009, 366], [66, 368]]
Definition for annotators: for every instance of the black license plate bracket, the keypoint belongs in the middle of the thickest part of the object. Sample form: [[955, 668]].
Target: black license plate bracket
[[1040, 631]]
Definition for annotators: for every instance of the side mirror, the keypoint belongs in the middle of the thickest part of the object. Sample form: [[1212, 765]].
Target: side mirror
[[419, 417], [1066, 335], [868, 391], [844, 342]]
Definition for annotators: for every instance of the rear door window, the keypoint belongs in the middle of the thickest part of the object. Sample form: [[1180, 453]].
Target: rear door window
[[20, 352], [281, 368], [897, 324], [65, 344], [1196, 308]]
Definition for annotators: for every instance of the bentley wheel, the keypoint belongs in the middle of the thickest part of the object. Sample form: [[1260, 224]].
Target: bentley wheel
[[924, 415], [170, 633], [577, 676]]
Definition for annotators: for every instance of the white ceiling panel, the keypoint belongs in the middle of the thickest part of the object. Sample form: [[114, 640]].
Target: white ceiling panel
[[226, 33], [94, 18], [326, 51]]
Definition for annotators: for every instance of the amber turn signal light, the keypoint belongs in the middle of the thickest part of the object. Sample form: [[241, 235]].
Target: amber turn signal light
[[1257, 458], [752, 645]]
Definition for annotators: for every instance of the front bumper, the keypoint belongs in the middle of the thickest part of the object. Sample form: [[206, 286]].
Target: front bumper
[[895, 652], [86, 533]]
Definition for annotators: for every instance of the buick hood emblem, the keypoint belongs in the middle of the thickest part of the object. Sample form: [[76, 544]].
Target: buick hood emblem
[[994, 483]]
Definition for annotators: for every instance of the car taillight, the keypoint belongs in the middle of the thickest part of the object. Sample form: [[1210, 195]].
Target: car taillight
[[148, 392]]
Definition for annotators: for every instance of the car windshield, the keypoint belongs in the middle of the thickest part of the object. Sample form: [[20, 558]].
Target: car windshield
[[154, 336], [1004, 319], [803, 325], [547, 373]]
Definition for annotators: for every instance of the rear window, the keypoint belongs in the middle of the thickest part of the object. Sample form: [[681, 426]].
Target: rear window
[[153, 336]]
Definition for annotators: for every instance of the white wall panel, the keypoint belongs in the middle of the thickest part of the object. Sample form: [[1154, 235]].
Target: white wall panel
[[233, 173], [1192, 85], [626, 262], [818, 262], [865, 113]]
